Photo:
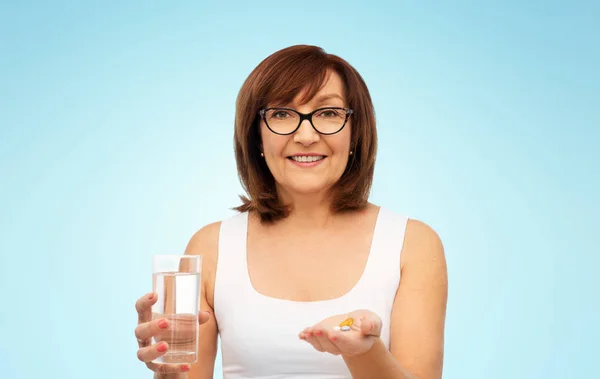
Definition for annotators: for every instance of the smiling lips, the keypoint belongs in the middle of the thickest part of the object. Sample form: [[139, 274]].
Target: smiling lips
[[306, 160]]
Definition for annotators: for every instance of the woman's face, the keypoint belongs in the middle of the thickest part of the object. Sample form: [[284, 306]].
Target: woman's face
[[307, 162]]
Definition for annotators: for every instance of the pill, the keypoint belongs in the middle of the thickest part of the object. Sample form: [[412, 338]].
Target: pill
[[345, 328], [336, 328], [347, 322]]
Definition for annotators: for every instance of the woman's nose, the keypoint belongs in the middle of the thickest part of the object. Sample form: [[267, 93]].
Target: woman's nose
[[306, 134]]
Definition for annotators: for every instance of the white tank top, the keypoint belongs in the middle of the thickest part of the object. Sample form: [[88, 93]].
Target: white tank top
[[259, 334]]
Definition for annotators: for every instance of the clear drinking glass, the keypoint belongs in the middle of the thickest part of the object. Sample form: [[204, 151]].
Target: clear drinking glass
[[176, 279]]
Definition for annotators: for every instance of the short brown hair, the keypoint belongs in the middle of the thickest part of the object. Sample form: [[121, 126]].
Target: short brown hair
[[280, 78]]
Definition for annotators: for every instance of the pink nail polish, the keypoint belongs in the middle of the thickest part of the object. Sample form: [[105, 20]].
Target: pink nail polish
[[161, 348], [185, 368], [162, 324]]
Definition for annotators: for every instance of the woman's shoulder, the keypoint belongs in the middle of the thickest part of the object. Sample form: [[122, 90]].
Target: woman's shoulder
[[205, 240], [206, 235], [420, 238], [421, 243], [421, 233], [415, 228]]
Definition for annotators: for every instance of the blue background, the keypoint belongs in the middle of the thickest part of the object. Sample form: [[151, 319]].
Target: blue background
[[116, 125]]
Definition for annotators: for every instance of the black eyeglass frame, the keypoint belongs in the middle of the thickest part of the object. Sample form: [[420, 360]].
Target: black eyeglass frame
[[305, 116]]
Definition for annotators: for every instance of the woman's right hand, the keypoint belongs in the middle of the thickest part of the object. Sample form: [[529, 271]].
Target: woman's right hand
[[147, 328]]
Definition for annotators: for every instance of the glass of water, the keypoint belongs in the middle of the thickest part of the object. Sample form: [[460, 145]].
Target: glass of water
[[176, 279]]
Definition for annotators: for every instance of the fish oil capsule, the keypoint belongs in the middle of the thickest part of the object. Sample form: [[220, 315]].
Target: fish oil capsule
[[347, 322]]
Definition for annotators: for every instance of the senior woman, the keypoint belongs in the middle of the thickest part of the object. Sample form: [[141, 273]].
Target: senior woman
[[309, 279]]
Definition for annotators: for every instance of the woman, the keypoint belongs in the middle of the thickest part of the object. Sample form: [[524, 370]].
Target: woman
[[307, 251]]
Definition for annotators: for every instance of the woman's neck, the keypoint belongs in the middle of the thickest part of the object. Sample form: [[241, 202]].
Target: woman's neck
[[308, 211]]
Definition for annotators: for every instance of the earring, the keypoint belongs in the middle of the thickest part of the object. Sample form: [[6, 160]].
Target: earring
[[262, 154], [350, 152]]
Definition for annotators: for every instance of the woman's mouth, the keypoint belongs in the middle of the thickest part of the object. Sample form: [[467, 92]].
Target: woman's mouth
[[307, 160]]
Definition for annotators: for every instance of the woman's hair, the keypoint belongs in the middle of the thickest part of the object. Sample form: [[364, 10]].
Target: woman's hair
[[280, 78]]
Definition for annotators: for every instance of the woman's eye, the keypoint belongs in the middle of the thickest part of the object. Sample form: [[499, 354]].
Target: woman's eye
[[329, 113], [280, 114]]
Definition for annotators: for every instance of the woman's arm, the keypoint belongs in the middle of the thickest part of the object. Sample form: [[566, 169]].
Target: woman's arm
[[418, 315], [204, 243]]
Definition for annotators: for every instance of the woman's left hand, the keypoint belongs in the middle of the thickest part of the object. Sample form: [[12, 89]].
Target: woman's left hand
[[364, 332]]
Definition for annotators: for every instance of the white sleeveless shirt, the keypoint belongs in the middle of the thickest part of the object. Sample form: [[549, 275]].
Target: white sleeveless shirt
[[259, 334]]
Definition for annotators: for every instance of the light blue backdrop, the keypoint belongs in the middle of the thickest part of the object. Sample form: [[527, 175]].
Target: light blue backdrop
[[116, 144]]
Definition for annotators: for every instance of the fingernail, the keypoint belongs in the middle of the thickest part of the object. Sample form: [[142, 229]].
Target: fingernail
[[332, 338], [185, 368], [162, 324], [319, 333], [151, 296], [162, 347]]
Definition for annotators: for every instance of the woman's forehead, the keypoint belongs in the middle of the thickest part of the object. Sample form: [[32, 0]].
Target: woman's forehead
[[331, 92]]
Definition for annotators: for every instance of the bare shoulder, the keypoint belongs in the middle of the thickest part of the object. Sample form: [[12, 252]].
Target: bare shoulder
[[421, 243], [205, 241]]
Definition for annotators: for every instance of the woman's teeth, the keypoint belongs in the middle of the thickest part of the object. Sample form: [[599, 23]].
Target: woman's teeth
[[307, 158]]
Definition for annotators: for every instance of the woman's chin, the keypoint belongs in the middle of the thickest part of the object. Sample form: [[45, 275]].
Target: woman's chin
[[307, 189]]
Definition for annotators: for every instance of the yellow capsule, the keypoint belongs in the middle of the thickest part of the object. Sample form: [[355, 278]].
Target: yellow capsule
[[347, 322]]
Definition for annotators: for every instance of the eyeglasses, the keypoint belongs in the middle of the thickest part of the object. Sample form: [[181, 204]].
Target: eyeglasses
[[285, 121]]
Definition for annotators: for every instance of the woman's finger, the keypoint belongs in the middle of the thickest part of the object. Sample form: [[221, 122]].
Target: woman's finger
[[322, 336], [149, 353], [310, 337], [162, 368], [143, 306], [370, 327], [149, 329], [313, 340], [347, 342], [203, 317]]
